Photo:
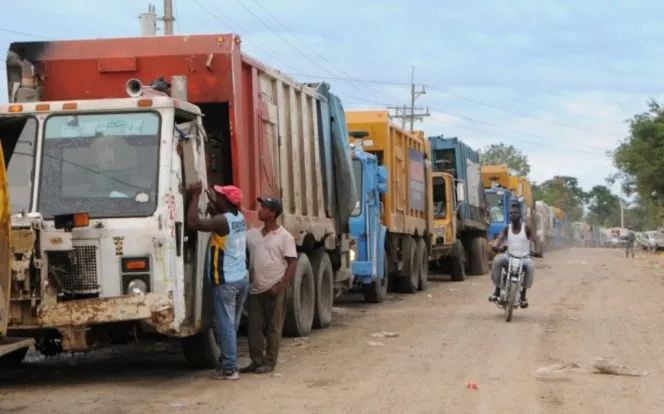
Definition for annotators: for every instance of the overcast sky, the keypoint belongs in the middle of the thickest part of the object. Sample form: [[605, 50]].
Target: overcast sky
[[557, 81]]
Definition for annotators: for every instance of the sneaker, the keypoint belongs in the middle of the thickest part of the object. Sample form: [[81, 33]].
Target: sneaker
[[249, 368], [524, 303], [221, 375], [264, 369], [495, 296]]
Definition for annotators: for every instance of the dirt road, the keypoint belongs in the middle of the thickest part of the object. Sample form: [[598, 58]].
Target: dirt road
[[585, 304]]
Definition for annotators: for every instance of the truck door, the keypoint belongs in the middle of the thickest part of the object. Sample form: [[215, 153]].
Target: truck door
[[192, 143]]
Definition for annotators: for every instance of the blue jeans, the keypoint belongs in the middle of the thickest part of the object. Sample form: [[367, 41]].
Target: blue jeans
[[228, 302]]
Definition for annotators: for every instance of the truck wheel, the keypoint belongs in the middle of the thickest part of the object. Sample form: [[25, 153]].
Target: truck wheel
[[458, 263], [477, 257], [324, 284], [411, 267], [13, 359], [423, 255], [376, 292], [300, 300], [201, 351]]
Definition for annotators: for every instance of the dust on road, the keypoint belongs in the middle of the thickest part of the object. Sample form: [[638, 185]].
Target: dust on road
[[585, 303]]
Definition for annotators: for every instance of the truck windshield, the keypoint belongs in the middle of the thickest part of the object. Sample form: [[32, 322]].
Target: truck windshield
[[105, 164], [439, 198], [21, 130], [496, 207], [357, 170]]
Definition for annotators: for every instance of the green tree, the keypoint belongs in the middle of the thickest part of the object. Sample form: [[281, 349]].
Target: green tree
[[639, 157], [496, 154], [563, 192], [603, 206]]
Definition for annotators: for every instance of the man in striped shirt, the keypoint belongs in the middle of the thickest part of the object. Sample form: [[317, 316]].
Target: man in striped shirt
[[226, 267]]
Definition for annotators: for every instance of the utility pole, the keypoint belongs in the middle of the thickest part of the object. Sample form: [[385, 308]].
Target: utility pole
[[406, 113], [168, 17], [148, 21], [622, 214]]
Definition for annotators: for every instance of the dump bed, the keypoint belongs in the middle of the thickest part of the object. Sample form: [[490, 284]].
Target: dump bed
[[270, 135], [453, 156], [497, 173], [408, 201]]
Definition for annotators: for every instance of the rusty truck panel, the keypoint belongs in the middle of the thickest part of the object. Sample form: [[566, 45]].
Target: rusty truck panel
[[408, 200]]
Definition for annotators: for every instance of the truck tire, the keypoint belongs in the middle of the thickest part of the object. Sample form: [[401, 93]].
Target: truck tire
[[477, 256], [13, 359], [324, 284], [458, 263], [201, 351], [376, 292], [411, 268], [423, 254], [300, 300]]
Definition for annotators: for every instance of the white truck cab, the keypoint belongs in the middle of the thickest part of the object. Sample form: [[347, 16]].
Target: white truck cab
[[100, 246]]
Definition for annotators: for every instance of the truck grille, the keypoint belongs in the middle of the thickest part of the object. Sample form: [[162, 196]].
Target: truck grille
[[79, 276]]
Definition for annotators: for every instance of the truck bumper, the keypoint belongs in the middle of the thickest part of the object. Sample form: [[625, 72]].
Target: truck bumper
[[157, 309], [363, 270], [9, 345]]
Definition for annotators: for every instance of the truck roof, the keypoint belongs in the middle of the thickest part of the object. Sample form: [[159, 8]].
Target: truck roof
[[121, 104]]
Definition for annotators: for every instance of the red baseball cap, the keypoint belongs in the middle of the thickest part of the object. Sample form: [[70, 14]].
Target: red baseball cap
[[231, 192]]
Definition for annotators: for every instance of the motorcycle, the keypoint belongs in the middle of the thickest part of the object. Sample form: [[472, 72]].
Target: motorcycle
[[511, 283]]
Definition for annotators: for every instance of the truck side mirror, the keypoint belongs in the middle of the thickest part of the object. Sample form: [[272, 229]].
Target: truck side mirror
[[382, 174], [382, 188], [461, 191]]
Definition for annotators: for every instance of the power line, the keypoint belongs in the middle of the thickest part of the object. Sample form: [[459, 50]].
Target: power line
[[488, 105], [269, 51], [70, 16], [2, 29], [286, 40], [311, 48]]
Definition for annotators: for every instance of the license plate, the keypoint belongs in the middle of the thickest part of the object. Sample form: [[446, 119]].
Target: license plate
[[515, 279]]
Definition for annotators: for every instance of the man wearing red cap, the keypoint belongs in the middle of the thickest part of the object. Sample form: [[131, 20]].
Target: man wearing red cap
[[225, 264], [273, 257]]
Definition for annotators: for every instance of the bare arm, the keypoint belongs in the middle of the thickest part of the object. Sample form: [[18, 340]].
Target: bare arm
[[498, 242], [531, 236], [290, 255], [217, 224]]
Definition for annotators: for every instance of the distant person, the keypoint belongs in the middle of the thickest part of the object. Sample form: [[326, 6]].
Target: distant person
[[631, 237], [225, 266], [272, 261], [518, 236]]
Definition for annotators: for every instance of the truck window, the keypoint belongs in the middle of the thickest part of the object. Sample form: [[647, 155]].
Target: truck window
[[102, 164], [21, 130], [439, 198], [496, 207], [357, 170]]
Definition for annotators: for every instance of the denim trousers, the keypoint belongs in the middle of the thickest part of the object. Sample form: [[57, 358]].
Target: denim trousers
[[228, 302]]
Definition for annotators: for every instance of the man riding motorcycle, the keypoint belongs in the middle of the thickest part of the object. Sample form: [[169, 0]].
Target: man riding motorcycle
[[518, 236]]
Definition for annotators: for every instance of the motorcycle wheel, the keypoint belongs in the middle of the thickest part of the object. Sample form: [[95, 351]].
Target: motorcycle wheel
[[511, 298]]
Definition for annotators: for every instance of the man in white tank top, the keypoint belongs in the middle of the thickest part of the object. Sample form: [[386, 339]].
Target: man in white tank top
[[518, 236]]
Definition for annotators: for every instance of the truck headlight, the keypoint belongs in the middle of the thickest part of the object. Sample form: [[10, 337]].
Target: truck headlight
[[352, 253], [137, 287]]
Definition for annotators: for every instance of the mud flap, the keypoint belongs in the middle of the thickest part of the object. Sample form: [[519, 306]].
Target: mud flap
[[9, 345]]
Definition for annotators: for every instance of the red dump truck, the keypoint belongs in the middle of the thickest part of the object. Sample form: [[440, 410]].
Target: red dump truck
[[110, 132]]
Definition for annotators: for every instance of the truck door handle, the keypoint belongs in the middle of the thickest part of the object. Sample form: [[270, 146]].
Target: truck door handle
[[178, 238]]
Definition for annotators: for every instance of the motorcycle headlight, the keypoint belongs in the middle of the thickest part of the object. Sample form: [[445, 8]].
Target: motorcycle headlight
[[439, 231]]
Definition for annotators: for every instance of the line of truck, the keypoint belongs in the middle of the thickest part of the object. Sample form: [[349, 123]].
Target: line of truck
[[102, 137]]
